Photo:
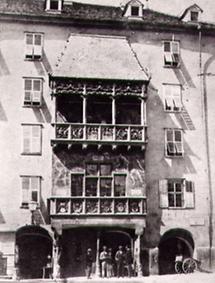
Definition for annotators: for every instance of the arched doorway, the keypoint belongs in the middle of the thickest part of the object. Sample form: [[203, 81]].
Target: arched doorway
[[33, 245], [115, 238], [174, 242]]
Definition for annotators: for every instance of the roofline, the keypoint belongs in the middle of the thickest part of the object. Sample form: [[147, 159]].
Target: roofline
[[120, 24]]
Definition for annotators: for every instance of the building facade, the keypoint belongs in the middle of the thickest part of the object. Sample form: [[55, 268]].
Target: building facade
[[107, 127]]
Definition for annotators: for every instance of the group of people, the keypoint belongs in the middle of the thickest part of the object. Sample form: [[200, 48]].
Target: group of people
[[112, 265]]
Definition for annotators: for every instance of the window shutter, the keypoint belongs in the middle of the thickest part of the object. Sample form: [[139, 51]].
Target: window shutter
[[36, 97], [189, 194], [26, 139], [25, 189], [37, 45], [29, 46], [36, 139], [163, 191], [35, 188]]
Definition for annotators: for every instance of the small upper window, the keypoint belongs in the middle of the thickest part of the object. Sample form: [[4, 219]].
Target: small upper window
[[135, 10], [32, 139], [32, 92], [33, 46], [173, 142], [30, 190], [194, 16], [172, 97], [171, 53], [54, 5]]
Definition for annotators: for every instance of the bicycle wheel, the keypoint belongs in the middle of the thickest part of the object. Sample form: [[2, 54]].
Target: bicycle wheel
[[178, 267], [189, 265]]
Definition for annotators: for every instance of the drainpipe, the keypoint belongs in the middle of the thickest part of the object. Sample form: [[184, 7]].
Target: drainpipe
[[206, 132]]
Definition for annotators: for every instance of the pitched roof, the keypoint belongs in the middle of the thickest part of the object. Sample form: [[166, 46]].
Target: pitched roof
[[99, 57], [194, 6]]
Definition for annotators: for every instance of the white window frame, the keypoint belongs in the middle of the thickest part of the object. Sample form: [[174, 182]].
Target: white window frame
[[31, 142], [174, 148], [174, 193], [172, 97], [171, 56], [26, 193], [187, 193], [33, 50], [32, 97], [48, 6]]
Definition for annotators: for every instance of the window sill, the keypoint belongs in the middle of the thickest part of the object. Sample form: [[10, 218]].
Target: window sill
[[32, 153], [172, 111], [33, 59], [32, 106], [174, 156], [53, 11], [171, 67]]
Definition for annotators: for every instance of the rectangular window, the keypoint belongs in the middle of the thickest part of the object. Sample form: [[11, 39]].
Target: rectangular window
[[173, 142], [171, 53], [194, 16], [33, 46], [32, 139], [135, 11], [77, 184], [32, 92], [30, 190], [176, 193], [172, 97], [54, 5]]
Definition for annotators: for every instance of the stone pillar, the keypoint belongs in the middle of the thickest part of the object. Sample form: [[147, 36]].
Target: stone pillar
[[56, 252], [137, 251], [84, 119], [153, 261], [113, 111], [97, 271]]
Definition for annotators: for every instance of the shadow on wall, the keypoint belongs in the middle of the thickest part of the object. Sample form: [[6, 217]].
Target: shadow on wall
[[43, 67], [43, 114], [3, 116], [4, 70], [183, 75], [2, 220], [158, 166]]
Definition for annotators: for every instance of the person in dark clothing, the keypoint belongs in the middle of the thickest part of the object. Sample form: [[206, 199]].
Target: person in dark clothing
[[89, 263], [119, 258], [109, 264], [128, 261]]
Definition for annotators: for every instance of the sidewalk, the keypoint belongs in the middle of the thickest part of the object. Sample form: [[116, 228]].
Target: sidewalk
[[196, 277]]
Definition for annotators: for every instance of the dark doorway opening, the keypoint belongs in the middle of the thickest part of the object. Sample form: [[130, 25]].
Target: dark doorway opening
[[173, 243], [33, 245]]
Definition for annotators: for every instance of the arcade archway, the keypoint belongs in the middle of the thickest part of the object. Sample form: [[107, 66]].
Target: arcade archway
[[174, 242], [33, 245]]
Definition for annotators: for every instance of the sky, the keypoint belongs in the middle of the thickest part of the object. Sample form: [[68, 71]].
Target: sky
[[172, 7]]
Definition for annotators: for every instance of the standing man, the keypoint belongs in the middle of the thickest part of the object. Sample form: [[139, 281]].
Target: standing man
[[103, 259], [128, 261], [119, 258], [89, 263], [109, 264]]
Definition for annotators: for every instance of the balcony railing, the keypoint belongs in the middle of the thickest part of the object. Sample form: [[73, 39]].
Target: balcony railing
[[114, 206], [98, 133]]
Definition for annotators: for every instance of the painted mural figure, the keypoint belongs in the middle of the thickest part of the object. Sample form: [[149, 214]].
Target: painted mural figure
[[89, 263], [119, 258], [103, 259]]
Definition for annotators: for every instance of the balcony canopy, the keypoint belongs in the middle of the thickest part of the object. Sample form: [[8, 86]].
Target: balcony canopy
[[99, 57]]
